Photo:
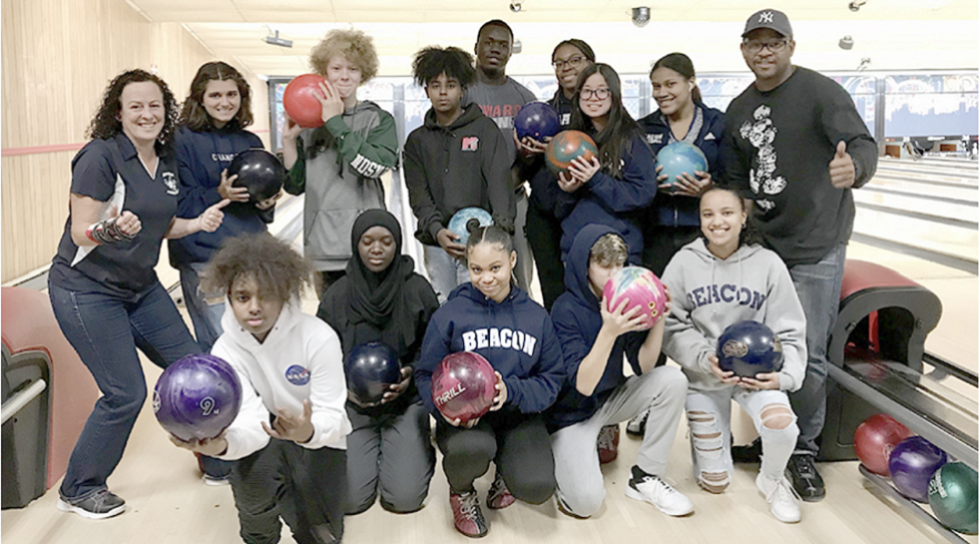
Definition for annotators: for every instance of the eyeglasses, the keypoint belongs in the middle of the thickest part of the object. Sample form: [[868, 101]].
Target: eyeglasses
[[574, 62], [587, 94], [774, 46]]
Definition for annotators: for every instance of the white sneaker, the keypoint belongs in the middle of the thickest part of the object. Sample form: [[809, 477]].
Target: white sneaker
[[637, 425], [659, 493], [783, 502]]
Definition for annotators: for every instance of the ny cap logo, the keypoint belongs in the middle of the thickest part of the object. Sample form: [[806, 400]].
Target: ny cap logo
[[765, 17]]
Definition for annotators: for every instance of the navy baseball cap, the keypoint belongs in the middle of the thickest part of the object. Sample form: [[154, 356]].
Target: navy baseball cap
[[771, 19]]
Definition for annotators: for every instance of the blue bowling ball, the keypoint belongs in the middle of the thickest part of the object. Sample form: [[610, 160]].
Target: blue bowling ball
[[467, 220], [749, 348], [371, 368], [681, 158], [537, 120]]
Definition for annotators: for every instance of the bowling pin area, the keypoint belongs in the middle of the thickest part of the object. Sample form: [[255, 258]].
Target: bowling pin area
[[918, 217]]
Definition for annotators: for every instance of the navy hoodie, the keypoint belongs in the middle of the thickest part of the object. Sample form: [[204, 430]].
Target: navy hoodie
[[611, 201], [679, 210], [577, 322], [545, 191], [201, 156], [516, 336]]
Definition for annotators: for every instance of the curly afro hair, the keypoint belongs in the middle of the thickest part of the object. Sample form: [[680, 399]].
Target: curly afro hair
[[357, 46], [430, 62], [278, 270]]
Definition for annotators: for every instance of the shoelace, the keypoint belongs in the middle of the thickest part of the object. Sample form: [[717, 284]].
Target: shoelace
[[803, 468], [661, 488], [783, 491], [607, 439], [467, 505]]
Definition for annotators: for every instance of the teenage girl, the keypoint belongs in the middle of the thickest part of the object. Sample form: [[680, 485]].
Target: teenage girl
[[494, 318], [339, 165], [382, 299], [212, 131], [682, 117], [611, 188], [569, 58], [716, 281]]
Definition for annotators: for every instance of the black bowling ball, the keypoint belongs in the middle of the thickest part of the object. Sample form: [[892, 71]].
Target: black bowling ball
[[259, 171]]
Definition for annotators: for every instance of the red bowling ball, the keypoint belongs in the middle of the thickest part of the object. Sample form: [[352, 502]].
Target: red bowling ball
[[874, 440], [299, 100], [463, 386]]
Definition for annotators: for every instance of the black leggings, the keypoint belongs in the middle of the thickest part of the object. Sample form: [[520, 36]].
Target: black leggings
[[517, 443], [544, 236], [308, 488]]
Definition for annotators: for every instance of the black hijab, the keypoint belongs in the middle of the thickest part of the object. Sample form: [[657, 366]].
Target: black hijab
[[381, 298]]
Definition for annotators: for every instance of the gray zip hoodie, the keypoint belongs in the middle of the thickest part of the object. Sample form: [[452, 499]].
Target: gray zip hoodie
[[709, 294]]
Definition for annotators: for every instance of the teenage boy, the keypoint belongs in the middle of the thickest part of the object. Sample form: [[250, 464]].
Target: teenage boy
[[501, 98], [594, 340], [457, 159], [796, 146]]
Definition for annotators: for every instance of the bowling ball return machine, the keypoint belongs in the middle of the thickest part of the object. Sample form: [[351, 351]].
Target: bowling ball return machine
[[878, 364], [47, 397]]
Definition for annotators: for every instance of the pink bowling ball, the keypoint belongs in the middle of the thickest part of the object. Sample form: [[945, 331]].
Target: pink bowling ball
[[640, 287]]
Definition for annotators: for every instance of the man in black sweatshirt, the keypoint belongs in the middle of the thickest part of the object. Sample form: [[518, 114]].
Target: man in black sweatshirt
[[796, 146]]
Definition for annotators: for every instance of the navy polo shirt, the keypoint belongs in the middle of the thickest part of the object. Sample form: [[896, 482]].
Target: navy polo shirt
[[110, 171]]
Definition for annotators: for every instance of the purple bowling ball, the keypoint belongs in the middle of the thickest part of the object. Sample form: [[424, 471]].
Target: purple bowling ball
[[197, 397], [537, 120], [912, 464]]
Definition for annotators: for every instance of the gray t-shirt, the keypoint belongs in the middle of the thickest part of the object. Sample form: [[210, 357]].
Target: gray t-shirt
[[501, 104]]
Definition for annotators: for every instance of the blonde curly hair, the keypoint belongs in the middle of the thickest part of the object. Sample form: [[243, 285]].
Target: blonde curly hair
[[357, 46]]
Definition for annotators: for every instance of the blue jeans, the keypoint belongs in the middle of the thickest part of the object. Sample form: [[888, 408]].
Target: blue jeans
[[818, 286], [206, 317], [105, 331], [445, 272]]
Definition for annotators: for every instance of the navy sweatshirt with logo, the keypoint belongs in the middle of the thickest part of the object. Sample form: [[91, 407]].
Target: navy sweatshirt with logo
[[516, 336]]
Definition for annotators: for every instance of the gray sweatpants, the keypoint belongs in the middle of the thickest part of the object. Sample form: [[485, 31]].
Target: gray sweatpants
[[389, 455], [663, 391]]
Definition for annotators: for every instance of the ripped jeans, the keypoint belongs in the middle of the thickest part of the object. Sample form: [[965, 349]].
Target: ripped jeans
[[709, 417]]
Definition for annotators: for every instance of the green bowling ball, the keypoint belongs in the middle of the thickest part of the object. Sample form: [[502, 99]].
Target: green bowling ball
[[953, 497]]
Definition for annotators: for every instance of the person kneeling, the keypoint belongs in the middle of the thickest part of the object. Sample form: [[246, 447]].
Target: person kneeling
[[597, 393]]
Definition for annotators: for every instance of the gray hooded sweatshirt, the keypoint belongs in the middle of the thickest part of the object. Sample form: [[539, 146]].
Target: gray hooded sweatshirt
[[709, 294]]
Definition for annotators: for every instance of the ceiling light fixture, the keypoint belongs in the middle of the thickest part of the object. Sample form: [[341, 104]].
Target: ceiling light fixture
[[276, 40], [641, 16], [846, 42]]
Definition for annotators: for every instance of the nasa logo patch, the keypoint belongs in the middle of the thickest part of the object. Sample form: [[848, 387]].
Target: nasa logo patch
[[298, 375]]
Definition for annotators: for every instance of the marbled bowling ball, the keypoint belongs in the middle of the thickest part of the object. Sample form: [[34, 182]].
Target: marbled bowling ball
[[567, 146]]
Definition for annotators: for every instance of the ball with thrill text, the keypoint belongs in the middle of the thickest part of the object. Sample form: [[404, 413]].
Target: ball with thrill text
[[463, 386], [197, 397], [639, 287]]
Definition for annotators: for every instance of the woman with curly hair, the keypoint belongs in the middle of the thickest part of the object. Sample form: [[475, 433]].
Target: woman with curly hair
[[290, 435], [339, 165], [105, 294]]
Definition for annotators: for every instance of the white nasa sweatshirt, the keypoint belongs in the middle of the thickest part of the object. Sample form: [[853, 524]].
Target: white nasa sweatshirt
[[300, 359]]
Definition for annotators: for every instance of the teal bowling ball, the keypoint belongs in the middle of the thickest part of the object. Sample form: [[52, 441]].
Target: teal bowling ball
[[681, 158], [467, 220], [953, 497]]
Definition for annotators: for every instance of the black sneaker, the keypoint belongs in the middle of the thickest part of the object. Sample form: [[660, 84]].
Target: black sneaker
[[806, 480], [96, 505], [748, 454]]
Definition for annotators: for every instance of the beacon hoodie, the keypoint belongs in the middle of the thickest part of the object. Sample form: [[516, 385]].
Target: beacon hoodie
[[516, 336], [577, 322], [201, 156], [611, 201], [300, 359], [455, 167], [709, 294]]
